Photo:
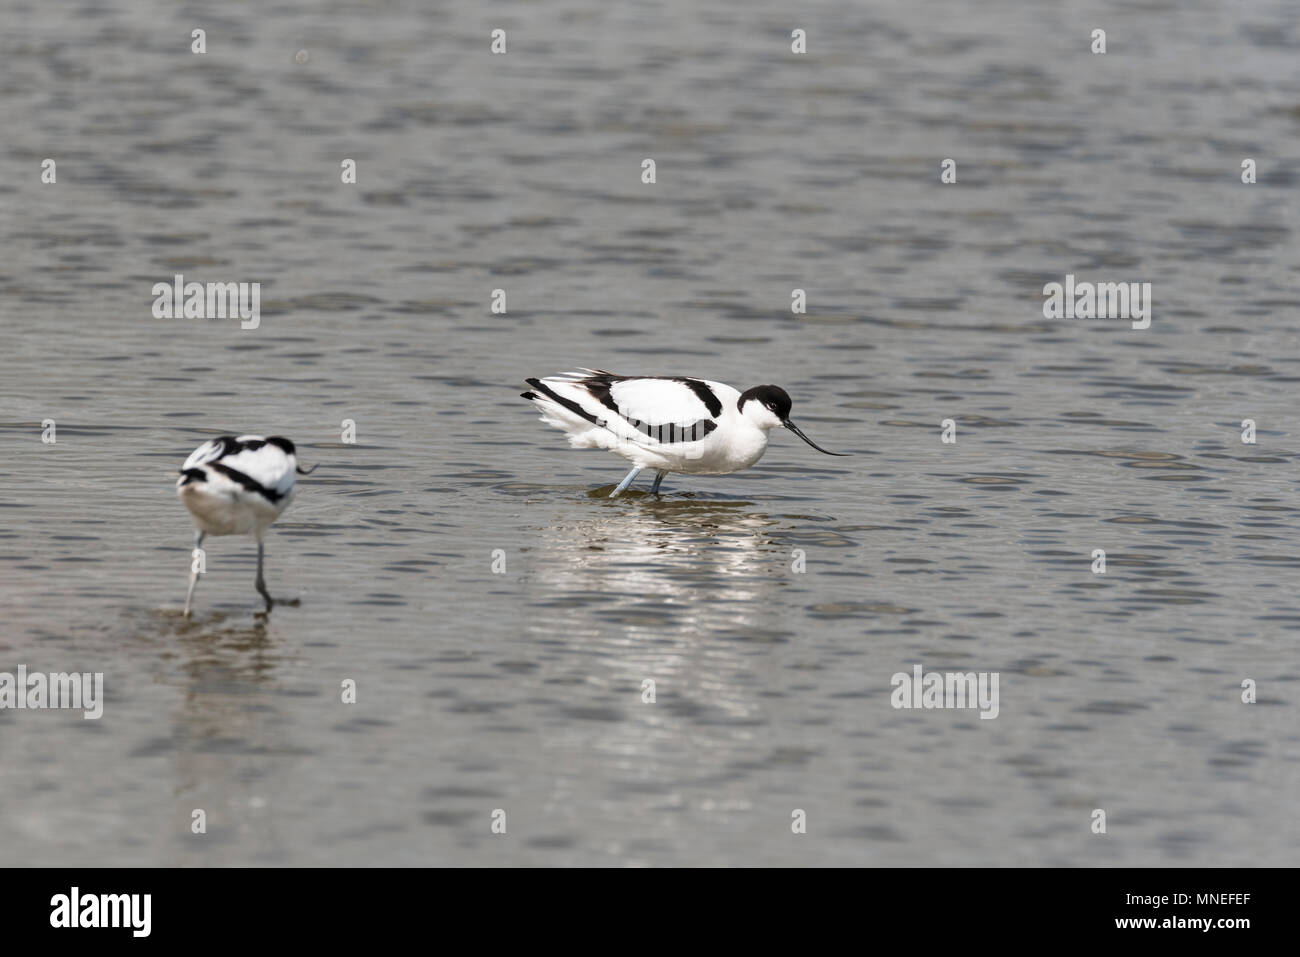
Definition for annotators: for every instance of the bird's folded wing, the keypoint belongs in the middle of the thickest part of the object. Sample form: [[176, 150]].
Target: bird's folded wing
[[269, 466], [658, 402], [643, 411]]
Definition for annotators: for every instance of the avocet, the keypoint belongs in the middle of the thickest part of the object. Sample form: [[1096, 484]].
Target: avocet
[[665, 423], [238, 486]]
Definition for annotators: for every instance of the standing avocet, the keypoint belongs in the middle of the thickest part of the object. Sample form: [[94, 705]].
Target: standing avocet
[[667, 423], [238, 486]]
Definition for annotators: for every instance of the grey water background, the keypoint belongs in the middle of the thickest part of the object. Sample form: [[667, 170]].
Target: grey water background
[[522, 691]]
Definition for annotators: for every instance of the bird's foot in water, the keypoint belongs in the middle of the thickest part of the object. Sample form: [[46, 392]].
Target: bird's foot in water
[[274, 602]]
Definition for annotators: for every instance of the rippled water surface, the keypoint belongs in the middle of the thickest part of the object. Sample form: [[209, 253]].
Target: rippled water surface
[[522, 690]]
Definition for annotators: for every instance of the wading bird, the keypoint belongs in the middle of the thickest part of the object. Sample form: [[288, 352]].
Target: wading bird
[[666, 423], [238, 486]]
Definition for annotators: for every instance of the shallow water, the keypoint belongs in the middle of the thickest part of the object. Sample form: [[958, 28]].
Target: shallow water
[[522, 691]]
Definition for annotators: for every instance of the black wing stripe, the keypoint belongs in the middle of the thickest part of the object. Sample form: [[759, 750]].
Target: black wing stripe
[[245, 481], [599, 389], [229, 445], [704, 394], [232, 446], [561, 400]]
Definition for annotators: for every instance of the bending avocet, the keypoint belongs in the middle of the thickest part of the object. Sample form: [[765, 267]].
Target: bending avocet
[[238, 486], [667, 423]]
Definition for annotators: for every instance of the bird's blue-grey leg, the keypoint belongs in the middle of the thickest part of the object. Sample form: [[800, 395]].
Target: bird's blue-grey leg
[[659, 477], [194, 571], [261, 582], [626, 482]]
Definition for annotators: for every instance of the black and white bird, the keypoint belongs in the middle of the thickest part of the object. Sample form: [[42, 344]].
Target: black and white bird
[[238, 486], [666, 423]]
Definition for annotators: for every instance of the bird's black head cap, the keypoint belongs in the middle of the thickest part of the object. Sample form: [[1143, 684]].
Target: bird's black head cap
[[772, 396]]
